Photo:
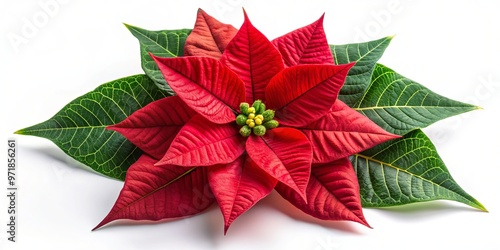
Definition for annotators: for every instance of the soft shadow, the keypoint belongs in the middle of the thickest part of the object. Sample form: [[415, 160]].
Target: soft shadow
[[58, 155], [125, 223], [429, 206], [277, 202], [214, 223], [417, 211]]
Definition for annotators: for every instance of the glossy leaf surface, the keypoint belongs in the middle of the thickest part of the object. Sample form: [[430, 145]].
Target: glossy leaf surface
[[404, 171], [400, 105], [162, 43], [365, 55]]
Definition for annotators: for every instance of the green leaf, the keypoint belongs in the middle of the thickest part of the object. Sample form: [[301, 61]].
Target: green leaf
[[79, 129], [404, 171], [366, 56], [162, 43], [400, 105]]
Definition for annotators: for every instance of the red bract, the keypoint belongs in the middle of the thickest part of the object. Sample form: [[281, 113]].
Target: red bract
[[209, 37], [214, 153]]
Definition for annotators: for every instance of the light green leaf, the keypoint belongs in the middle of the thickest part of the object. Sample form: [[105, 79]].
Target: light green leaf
[[366, 56], [400, 105], [163, 43], [404, 171], [79, 129]]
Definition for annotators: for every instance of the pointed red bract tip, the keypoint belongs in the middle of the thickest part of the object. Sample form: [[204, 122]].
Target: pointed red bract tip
[[365, 223], [362, 220], [238, 186], [111, 127], [109, 218], [245, 15], [155, 58], [209, 36], [305, 45], [205, 14], [303, 195], [98, 226], [321, 19], [254, 59], [157, 193]]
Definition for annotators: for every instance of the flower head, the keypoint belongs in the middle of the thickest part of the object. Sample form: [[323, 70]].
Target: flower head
[[250, 115]]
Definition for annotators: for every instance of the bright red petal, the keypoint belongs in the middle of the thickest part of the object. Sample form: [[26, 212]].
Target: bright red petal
[[209, 36], [153, 127], [285, 154], [307, 45], [205, 85], [237, 186], [302, 94], [332, 193], [155, 193], [202, 143], [254, 59], [343, 132]]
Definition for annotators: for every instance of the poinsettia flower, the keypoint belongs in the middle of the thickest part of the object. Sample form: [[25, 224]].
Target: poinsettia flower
[[253, 115]]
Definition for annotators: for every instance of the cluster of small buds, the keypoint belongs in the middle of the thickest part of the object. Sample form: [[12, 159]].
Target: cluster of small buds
[[255, 119]]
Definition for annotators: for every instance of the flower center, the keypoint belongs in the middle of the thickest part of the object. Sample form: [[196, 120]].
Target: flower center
[[256, 119]]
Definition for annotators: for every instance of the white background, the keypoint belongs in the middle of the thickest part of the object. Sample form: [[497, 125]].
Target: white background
[[452, 47]]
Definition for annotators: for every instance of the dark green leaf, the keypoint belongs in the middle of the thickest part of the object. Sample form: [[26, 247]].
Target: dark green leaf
[[404, 171], [79, 129], [400, 105], [163, 43], [366, 56]]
